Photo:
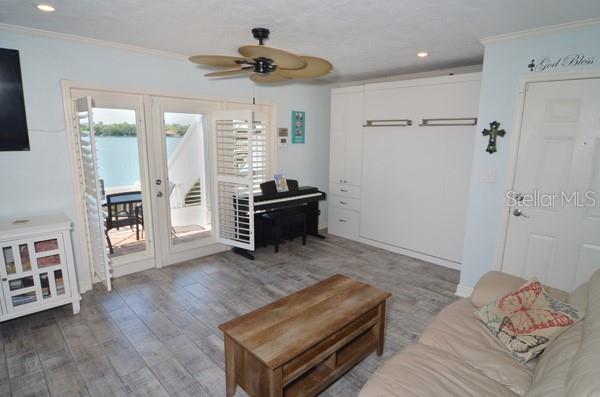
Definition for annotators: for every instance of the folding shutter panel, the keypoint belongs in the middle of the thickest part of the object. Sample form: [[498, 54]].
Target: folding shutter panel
[[234, 135], [88, 167]]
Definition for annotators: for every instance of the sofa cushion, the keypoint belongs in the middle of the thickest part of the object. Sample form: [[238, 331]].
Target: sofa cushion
[[550, 374], [493, 285], [528, 319], [457, 331], [425, 371], [583, 378]]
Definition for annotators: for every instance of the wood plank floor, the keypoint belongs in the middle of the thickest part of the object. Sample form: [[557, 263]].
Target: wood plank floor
[[156, 333]]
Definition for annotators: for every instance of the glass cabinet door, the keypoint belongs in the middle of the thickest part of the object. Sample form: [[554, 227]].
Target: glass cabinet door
[[33, 271]]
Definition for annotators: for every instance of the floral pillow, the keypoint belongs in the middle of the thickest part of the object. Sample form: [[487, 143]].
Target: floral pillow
[[528, 319]]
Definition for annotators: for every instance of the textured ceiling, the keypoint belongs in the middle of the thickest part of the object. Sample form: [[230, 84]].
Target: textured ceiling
[[363, 39]]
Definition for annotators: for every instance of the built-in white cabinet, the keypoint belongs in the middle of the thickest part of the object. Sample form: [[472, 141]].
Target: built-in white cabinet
[[345, 169], [400, 166], [36, 265], [346, 132]]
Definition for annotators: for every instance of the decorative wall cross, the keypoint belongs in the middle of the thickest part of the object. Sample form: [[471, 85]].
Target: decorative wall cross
[[493, 132]]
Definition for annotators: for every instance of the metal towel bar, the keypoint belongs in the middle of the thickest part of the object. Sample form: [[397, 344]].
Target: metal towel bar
[[388, 123], [450, 122]]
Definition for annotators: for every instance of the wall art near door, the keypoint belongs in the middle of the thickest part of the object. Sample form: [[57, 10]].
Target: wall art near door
[[298, 127], [560, 62], [493, 132]]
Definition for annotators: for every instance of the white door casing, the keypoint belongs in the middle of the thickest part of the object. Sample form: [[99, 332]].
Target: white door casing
[[558, 162]]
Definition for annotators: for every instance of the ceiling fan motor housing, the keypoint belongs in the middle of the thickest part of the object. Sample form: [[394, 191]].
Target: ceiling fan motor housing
[[264, 65], [260, 34]]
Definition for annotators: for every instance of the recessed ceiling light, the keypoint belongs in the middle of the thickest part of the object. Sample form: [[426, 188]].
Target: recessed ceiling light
[[422, 54], [45, 7]]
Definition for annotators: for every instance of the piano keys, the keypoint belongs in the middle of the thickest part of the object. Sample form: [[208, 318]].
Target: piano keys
[[306, 199]]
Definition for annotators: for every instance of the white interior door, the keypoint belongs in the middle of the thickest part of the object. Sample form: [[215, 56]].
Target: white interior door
[[88, 166], [555, 233], [237, 138]]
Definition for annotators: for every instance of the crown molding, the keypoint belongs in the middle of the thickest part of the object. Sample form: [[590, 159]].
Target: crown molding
[[90, 41], [542, 30]]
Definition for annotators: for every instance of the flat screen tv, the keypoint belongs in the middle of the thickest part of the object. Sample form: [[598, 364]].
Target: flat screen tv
[[13, 123]]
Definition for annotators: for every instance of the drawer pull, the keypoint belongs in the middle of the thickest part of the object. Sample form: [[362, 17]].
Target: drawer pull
[[344, 190], [343, 220], [344, 202]]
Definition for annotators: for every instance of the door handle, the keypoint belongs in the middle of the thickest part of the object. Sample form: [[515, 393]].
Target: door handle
[[518, 212], [159, 194]]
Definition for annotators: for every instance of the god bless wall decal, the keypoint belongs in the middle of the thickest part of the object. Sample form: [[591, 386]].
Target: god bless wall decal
[[567, 61]]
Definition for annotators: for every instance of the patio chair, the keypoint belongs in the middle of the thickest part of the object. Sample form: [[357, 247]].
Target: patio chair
[[121, 214]]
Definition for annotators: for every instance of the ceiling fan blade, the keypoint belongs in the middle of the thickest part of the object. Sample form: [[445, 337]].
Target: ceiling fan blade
[[282, 59], [233, 72], [219, 60], [272, 77], [315, 67]]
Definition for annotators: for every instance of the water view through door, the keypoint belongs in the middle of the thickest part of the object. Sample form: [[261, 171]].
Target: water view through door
[[118, 151]]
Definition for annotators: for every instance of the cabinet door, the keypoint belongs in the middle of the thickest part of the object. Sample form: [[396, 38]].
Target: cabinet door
[[354, 134], [33, 272], [337, 143]]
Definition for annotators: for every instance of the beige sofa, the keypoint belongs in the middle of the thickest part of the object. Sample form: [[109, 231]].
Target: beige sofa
[[457, 356]]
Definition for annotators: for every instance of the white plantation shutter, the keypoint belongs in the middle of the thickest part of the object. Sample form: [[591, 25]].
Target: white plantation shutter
[[239, 166], [88, 166]]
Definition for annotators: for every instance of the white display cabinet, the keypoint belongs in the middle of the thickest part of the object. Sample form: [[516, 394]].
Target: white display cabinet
[[36, 265]]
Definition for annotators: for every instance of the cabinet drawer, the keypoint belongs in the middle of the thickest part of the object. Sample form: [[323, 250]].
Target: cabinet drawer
[[344, 223], [345, 202], [344, 190]]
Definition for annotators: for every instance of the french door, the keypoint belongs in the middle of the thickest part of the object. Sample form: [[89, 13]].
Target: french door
[[163, 178], [554, 226], [181, 181]]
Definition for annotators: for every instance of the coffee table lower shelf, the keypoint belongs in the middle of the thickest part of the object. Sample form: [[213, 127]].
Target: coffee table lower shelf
[[322, 375]]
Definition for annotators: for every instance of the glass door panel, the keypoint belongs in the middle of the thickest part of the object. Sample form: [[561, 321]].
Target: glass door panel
[[185, 137], [46, 245], [59, 282], [20, 283], [118, 149], [25, 259], [9, 260]]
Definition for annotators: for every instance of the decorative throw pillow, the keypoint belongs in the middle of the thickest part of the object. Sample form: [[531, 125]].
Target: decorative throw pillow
[[528, 319]]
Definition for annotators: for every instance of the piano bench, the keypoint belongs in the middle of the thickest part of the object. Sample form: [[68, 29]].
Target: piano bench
[[280, 220]]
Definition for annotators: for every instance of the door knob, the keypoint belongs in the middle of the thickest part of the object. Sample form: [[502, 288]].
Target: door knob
[[518, 212], [158, 182], [159, 194]]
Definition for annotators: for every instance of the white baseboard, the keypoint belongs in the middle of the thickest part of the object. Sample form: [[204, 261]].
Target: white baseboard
[[463, 291], [413, 254]]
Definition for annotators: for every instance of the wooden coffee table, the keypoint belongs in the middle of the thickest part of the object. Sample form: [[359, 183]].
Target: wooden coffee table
[[300, 344]]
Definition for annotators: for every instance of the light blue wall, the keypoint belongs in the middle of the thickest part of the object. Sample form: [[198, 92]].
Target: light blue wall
[[505, 63], [39, 181]]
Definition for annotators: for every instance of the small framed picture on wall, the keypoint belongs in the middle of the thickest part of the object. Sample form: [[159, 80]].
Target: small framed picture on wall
[[298, 127]]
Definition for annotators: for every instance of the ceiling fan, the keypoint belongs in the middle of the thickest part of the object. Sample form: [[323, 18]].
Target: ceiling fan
[[265, 64]]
